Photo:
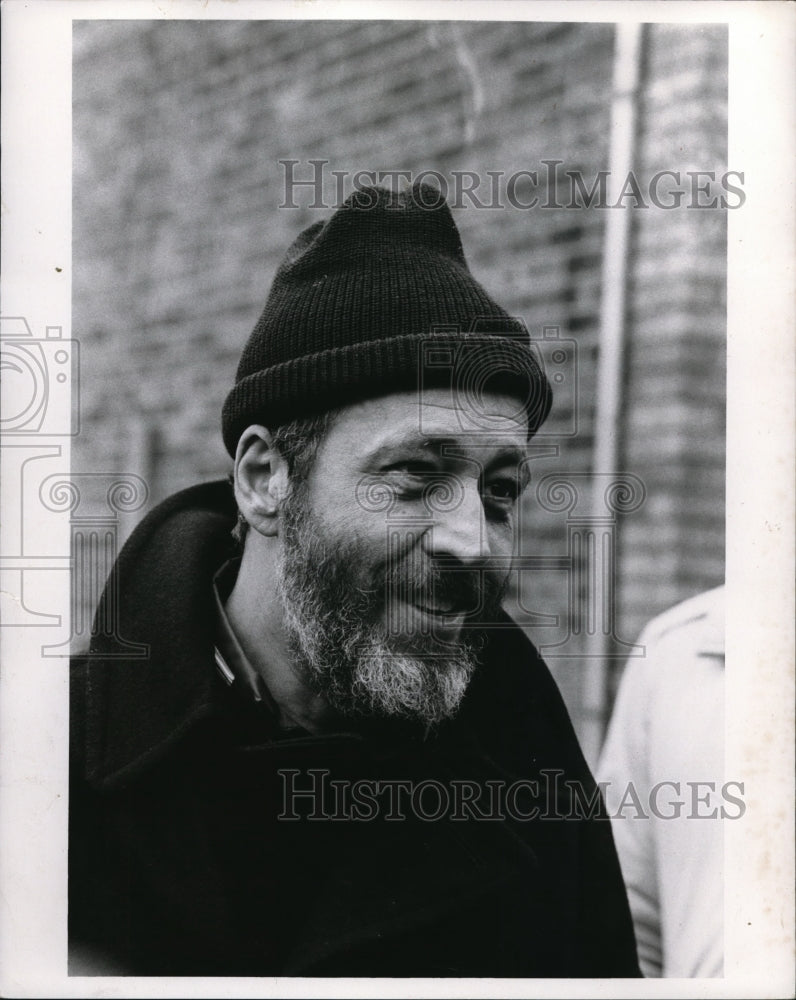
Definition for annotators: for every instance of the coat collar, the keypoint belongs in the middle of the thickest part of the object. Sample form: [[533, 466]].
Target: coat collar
[[150, 672]]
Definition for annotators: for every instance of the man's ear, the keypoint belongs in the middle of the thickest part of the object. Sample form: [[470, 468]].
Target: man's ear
[[261, 479]]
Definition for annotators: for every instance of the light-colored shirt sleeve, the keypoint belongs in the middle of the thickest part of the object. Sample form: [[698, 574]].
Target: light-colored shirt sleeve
[[666, 740]]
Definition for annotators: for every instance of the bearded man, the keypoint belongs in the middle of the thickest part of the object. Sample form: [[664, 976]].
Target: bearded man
[[336, 759]]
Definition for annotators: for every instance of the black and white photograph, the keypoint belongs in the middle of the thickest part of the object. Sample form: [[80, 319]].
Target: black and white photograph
[[397, 440]]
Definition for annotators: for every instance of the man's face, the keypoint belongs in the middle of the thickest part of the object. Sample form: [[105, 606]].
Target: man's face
[[397, 547]]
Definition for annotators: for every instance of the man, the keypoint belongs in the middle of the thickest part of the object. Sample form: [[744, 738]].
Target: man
[[336, 759], [666, 738]]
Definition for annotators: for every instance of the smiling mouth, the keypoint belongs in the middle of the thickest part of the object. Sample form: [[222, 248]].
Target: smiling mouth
[[418, 618], [443, 613]]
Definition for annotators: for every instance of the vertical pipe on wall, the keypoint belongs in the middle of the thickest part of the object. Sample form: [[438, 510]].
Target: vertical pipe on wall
[[610, 364]]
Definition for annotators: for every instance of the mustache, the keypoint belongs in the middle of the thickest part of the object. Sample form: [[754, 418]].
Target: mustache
[[476, 589], [449, 586]]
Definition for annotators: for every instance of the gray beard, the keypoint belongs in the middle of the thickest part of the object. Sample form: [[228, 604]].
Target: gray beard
[[342, 649]]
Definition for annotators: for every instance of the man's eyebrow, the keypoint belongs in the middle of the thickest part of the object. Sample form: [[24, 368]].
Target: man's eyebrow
[[410, 442], [444, 446]]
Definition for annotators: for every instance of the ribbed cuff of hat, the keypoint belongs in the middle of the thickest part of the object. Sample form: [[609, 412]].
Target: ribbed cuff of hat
[[341, 376]]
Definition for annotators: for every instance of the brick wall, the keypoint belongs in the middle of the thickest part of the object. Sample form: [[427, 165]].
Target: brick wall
[[178, 130], [675, 386]]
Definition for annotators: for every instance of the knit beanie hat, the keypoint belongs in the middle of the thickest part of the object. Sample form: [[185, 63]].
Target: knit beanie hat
[[376, 300]]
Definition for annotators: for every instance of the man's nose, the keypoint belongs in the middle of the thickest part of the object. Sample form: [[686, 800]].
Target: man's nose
[[459, 528]]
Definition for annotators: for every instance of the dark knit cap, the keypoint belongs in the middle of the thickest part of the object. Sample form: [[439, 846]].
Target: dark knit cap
[[376, 300]]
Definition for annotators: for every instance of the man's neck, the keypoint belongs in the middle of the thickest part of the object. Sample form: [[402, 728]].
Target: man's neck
[[254, 610]]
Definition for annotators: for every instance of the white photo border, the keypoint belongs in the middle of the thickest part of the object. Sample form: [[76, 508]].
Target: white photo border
[[36, 284]]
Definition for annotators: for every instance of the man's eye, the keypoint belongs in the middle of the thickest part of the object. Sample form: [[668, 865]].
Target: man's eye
[[503, 491]]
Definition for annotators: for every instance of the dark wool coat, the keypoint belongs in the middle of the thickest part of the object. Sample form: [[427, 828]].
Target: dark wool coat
[[182, 861]]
